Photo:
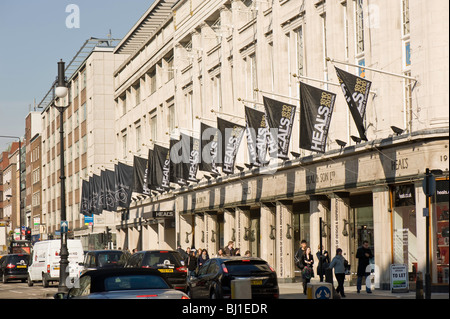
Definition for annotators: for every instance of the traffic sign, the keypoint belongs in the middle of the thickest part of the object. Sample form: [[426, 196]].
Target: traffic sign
[[64, 226], [323, 292]]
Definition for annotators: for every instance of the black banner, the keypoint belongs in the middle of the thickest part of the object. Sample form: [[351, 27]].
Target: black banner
[[280, 116], [140, 173], [257, 136], [84, 204], [210, 148], [109, 185], [193, 145], [179, 162], [231, 134], [356, 92], [316, 109], [102, 192], [124, 184], [161, 168], [96, 189]]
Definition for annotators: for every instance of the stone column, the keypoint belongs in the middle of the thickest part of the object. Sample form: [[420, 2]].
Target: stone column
[[340, 231], [229, 228], [199, 232], [268, 232], [284, 242], [242, 224], [318, 208], [382, 236], [185, 230], [211, 238]]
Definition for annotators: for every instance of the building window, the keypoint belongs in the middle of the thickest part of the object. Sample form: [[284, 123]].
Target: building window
[[123, 100], [405, 17], [154, 128], [85, 146], [407, 91], [171, 117], [124, 145], [359, 26], [138, 137], [84, 112], [152, 81], [217, 92], [300, 51], [137, 92], [83, 79]]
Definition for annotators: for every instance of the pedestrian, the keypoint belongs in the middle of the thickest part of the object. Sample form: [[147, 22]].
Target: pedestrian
[[248, 253], [298, 255], [364, 253], [324, 261], [307, 260], [220, 253], [191, 263], [199, 252], [338, 263], [202, 258], [134, 250], [229, 250], [237, 252]]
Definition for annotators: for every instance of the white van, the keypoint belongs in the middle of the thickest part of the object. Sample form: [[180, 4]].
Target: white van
[[44, 261]]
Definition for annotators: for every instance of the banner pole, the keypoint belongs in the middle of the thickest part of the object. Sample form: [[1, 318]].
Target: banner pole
[[372, 69], [248, 101], [277, 94]]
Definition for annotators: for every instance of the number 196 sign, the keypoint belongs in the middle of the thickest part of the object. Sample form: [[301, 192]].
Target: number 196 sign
[[399, 278]]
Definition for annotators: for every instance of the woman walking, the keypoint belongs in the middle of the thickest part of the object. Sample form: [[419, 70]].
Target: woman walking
[[324, 261], [307, 260], [202, 258], [338, 263]]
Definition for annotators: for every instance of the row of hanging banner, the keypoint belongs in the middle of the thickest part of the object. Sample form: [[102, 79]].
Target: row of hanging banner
[[268, 136]]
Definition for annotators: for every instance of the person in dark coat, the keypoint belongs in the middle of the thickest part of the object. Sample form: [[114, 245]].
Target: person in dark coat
[[363, 254], [191, 263], [307, 260], [202, 258], [324, 261]]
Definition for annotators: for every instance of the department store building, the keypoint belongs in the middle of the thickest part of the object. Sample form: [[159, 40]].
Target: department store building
[[189, 62]]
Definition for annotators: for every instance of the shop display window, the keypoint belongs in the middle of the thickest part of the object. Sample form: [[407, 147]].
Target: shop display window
[[442, 231]]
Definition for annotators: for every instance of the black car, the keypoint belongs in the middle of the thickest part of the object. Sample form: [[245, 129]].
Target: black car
[[168, 262], [122, 283], [98, 259], [213, 279], [14, 266]]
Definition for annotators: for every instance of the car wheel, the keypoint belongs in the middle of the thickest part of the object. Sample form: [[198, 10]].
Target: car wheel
[[44, 281], [29, 281]]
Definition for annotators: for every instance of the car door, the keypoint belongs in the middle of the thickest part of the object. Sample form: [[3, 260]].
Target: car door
[[202, 280]]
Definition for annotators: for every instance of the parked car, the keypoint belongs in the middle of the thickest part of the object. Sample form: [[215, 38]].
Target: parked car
[[213, 279], [167, 262], [99, 259], [14, 266], [44, 262], [122, 283]]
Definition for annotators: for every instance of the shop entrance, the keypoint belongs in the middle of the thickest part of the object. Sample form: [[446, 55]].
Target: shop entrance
[[404, 228], [359, 228]]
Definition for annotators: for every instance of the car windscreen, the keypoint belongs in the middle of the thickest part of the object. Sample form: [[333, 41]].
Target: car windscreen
[[130, 282], [19, 259], [109, 259], [247, 267], [162, 260]]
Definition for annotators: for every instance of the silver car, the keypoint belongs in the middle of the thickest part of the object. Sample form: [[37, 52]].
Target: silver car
[[122, 283]]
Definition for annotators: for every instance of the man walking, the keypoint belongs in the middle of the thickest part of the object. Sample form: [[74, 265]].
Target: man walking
[[363, 254]]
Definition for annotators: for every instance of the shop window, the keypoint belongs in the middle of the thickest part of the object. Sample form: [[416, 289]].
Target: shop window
[[441, 230], [404, 228]]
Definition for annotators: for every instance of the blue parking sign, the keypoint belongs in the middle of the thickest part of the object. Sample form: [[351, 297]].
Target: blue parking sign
[[323, 293]]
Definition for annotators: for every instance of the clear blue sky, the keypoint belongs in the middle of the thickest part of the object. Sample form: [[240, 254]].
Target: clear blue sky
[[34, 36]]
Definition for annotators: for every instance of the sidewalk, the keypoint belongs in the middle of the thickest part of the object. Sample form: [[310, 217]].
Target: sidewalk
[[295, 291]]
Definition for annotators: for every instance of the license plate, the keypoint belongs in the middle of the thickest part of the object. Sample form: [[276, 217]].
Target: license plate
[[55, 268], [165, 270], [21, 266], [256, 282]]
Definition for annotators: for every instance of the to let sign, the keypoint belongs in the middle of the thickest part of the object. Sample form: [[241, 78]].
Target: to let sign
[[399, 278]]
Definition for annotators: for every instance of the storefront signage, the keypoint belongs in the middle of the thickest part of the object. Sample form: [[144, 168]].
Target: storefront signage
[[399, 278], [442, 191], [164, 214]]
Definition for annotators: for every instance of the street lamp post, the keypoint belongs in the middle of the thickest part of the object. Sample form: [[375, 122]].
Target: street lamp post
[[61, 91]]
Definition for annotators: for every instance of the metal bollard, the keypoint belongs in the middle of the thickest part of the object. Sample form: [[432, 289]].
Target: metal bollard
[[241, 289], [419, 285]]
